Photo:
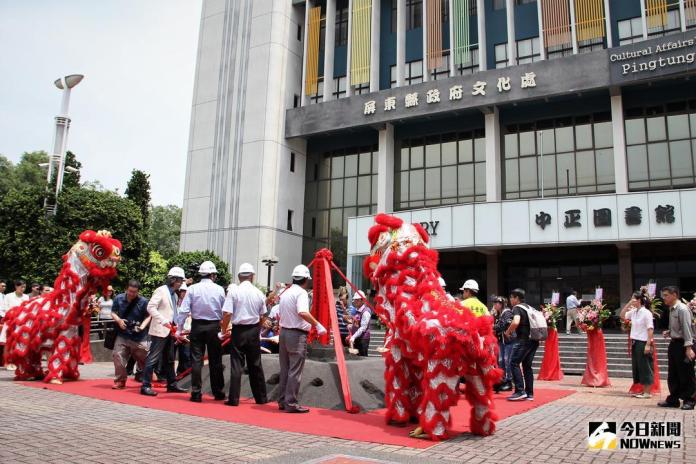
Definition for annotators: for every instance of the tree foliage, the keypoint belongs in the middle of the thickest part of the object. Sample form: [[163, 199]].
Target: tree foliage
[[156, 273], [138, 191], [164, 230], [189, 261]]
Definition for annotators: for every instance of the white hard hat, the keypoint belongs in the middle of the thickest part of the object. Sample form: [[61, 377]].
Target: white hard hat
[[208, 267], [470, 284], [176, 271], [301, 272], [246, 268], [442, 282], [359, 295]]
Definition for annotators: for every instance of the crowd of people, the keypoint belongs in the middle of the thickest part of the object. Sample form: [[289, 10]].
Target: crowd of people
[[190, 323]]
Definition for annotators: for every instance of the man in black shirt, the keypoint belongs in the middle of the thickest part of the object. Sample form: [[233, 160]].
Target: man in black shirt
[[524, 350], [129, 313]]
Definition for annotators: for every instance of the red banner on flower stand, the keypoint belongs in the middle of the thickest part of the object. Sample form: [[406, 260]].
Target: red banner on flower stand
[[596, 374], [551, 363]]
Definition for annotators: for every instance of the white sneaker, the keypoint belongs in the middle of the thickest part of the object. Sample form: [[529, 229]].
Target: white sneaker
[[643, 396], [11, 367]]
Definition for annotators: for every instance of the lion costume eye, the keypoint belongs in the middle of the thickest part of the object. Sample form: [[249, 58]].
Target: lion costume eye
[[117, 252], [98, 252]]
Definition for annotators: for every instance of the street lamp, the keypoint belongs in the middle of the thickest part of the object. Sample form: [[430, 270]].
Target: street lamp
[[270, 262], [57, 158]]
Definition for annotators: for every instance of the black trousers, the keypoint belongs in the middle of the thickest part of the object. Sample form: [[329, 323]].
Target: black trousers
[[161, 356], [680, 374], [246, 343], [362, 344], [204, 336]]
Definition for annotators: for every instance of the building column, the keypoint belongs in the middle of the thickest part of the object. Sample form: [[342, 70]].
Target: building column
[[493, 286], [374, 46], [511, 41], [493, 167], [424, 21], [450, 5], [400, 42], [607, 24], [644, 19], [540, 21], [682, 15], [329, 46], [385, 170], [618, 133], [625, 272], [573, 31], [349, 88], [304, 99], [481, 22]]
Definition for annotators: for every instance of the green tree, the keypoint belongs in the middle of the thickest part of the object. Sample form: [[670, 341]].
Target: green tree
[[138, 191], [156, 273], [189, 261], [28, 171], [164, 230], [80, 209]]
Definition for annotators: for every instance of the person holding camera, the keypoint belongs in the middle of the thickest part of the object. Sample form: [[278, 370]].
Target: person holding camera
[[129, 313]]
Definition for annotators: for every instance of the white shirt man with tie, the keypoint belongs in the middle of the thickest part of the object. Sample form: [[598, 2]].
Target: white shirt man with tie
[[204, 301], [295, 323], [245, 308], [162, 308]]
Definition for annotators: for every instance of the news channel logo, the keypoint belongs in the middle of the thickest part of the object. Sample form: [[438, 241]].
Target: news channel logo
[[603, 436]]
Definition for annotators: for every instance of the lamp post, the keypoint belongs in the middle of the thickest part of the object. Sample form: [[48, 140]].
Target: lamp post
[[270, 261], [56, 161]]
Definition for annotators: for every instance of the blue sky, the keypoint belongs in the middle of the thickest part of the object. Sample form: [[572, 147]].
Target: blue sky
[[133, 108]]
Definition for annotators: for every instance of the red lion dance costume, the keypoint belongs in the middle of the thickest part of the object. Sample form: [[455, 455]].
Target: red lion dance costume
[[50, 323], [433, 342]]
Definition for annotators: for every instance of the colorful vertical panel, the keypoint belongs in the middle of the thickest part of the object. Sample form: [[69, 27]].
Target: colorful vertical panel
[[312, 64], [360, 42], [589, 17], [556, 23], [460, 43], [656, 13], [690, 11], [433, 17]]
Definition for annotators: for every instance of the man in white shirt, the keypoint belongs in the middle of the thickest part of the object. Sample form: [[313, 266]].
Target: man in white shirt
[[295, 323], [572, 305], [245, 307], [3, 287]]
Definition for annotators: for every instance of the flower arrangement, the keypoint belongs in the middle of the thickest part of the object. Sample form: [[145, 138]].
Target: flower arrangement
[[592, 316], [552, 314]]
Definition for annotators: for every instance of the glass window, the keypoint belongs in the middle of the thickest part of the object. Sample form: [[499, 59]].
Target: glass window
[[334, 192], [365, 161], [659, 149], [441, 171], [501, 59], [528, 51], [577, 157]]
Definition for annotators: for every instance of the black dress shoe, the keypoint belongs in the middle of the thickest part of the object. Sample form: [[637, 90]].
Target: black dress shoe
[[230, 403], [665, 404], [688, 406], [148, 392], [219, 397], [297, 410], [196, 398], [281, 406], [505, 388], [175, 389], [262, 401]]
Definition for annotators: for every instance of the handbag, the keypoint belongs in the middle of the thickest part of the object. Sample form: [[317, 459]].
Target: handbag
[[111, 332]]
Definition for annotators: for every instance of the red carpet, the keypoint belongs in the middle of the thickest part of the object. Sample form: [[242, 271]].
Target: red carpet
[[368, 427]]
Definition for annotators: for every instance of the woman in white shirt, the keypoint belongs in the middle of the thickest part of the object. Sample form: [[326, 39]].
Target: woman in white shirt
[[642, 341], [105, 303]]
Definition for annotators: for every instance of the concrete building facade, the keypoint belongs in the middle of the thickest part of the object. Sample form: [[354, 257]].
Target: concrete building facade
[[547, 144]]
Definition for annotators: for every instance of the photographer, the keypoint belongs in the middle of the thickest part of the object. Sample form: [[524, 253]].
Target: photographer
[[130, 315]]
